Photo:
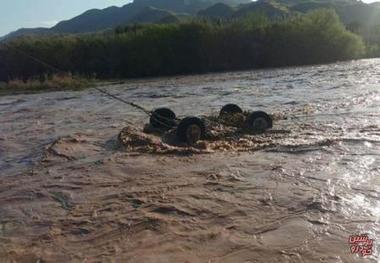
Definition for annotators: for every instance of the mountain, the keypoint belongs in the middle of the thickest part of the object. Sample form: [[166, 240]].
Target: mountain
[[270, 9], [40, 31], [361, 13], [152, 15], [311, 5], [351, 12], [177, 6], [218, 10], [96, 19], [171, 19]]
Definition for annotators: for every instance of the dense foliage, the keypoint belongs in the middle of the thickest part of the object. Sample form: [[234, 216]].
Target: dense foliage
[[191, 47]]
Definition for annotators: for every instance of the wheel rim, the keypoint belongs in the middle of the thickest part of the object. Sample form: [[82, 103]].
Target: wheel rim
[[260, 124], [193, 133]]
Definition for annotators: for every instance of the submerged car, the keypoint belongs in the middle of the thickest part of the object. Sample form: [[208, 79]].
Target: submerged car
[[192, 129]]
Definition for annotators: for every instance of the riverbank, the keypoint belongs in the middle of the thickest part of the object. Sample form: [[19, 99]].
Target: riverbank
[[186, 48], [48, 84], [76, 83]]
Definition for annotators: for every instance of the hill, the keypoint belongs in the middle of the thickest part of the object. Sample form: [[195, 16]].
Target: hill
[[361, 13], [23, 32], [271, 9], [152, 15], [355, 14], [102, 19], [218, 10]]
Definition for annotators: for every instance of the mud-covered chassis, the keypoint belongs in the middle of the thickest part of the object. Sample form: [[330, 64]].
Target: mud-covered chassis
[[192, 129]]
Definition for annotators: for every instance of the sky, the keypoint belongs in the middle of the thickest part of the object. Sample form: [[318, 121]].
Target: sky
[[15, 14]]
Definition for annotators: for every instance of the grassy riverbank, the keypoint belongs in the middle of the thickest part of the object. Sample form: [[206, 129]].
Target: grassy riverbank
[[52, 83], [185, 48]]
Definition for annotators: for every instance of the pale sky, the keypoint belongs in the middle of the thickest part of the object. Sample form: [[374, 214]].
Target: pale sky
[[15, 14]]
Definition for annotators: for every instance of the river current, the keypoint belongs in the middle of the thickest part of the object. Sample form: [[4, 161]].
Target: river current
[[69, 193]]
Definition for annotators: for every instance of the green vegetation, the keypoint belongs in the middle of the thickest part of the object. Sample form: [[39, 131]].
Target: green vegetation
[[52, 83], [316, 38], [352, 13], [189, 47]]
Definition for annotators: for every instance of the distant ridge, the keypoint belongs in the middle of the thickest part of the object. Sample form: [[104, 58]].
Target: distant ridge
[[159, 11], [219, 10], [102, 19], [152, 15], [268, 8]]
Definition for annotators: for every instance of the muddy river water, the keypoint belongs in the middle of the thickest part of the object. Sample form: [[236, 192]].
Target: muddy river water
[[70, 193]]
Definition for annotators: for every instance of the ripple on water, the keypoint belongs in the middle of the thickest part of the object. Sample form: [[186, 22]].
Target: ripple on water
[[308, 184]]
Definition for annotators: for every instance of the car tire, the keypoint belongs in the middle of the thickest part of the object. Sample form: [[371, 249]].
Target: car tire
[[190, 130], [163, 118], [258, 121]]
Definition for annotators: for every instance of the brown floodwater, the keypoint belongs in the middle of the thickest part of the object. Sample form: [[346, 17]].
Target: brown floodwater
[[70, 191]]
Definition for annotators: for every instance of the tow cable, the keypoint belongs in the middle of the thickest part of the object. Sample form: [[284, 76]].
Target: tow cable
[[157, 118]]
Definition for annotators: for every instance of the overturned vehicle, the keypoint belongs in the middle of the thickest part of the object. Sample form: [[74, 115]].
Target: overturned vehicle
[[190, 130]]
